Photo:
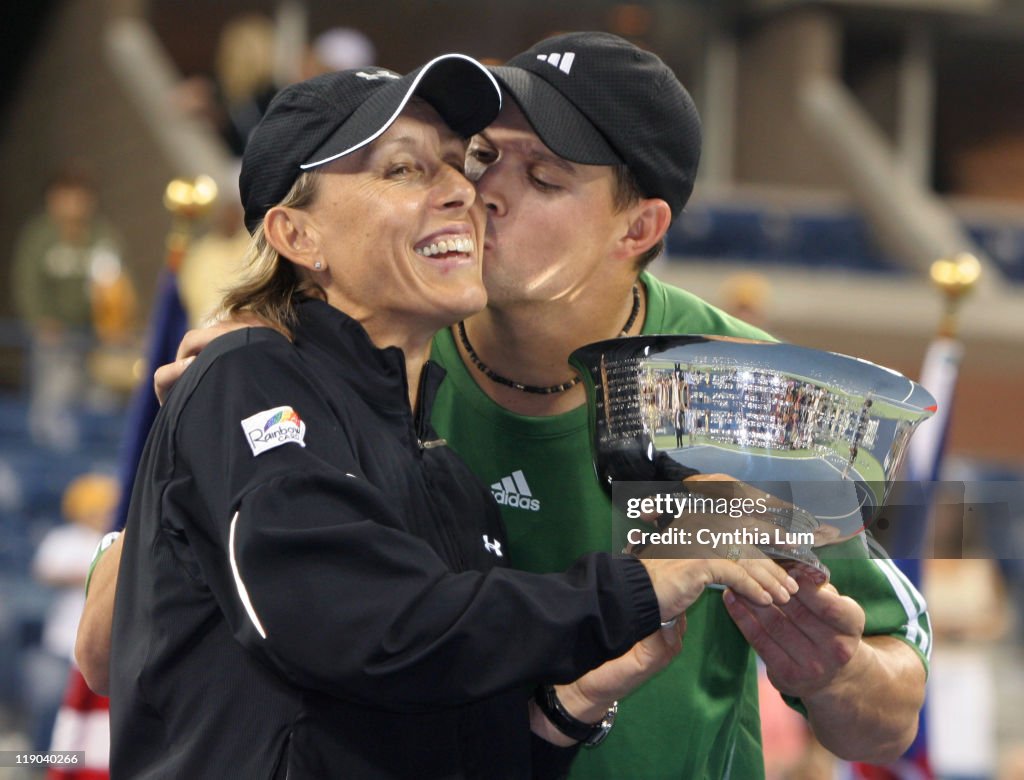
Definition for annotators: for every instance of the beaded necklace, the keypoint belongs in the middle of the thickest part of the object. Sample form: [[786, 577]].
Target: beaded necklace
[[494, 376]]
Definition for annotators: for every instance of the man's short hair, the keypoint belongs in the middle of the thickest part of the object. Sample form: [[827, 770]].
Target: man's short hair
[[626, 193]]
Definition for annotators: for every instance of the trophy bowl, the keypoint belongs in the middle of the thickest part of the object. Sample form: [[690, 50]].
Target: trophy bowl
[[821, 434]]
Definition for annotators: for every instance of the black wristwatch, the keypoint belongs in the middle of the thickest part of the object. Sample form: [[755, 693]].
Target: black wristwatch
[[589, 734]]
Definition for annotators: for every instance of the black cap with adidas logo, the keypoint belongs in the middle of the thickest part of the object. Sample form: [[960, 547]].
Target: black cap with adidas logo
[[597, 99]]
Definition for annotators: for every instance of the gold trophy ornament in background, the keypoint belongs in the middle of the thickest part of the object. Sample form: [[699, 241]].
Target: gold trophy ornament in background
[[955, 277], [189, 200], [118, 364]]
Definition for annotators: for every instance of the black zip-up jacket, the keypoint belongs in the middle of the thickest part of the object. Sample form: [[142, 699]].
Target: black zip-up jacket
[[314, 586]]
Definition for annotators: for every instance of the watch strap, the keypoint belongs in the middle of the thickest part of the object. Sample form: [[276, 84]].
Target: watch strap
[[588, 733]]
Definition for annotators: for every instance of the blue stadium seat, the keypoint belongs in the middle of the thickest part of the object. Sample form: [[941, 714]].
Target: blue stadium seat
[[823, 237]]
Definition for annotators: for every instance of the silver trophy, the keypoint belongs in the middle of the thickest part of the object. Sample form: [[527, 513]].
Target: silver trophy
[[818, 434]]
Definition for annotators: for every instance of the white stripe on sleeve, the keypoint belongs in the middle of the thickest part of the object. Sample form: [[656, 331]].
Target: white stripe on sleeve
[[913, 605], [243, 594]]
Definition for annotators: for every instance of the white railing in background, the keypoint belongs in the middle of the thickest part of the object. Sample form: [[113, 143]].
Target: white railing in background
[[140, 62], [909, 220], [291, 20]]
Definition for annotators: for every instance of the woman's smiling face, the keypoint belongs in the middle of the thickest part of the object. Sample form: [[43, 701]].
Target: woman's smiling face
[[399, 228]]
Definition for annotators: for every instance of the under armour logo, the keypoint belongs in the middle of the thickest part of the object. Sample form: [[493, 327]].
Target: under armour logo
[[494, 547], [561, 61], [380, 74]]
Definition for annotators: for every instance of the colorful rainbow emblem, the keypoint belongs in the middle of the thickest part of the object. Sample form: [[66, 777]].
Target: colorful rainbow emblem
[[284, 416]]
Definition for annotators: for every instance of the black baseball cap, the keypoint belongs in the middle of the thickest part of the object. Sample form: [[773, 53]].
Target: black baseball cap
[[326, 117], [597, 99]]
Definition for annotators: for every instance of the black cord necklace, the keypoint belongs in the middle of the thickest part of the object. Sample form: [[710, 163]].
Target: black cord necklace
[[550, 389]]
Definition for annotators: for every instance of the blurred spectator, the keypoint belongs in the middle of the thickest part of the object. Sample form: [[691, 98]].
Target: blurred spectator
[[1011, 763], [234, 98], [68, 277], [242, 85], [214, 261], [338, 48], [62, 562], [969, 612], [746, 295]]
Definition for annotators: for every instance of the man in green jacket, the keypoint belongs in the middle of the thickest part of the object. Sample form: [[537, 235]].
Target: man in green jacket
[[60, 256]]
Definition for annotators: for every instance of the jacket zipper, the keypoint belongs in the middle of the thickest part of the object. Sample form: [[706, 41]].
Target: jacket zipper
[[425, 396], [420, 423]]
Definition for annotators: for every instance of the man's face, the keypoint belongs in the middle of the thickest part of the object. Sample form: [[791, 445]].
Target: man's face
[[70, 205], [551, 223]]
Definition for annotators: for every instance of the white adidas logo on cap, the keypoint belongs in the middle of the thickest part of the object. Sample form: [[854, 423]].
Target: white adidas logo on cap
[[561, 61], [380, 74]]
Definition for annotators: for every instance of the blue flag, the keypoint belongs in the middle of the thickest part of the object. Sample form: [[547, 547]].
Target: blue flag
[[166, 329], [924, 465]]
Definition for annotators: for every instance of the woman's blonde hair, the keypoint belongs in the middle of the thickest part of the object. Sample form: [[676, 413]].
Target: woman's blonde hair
[[271, 282]]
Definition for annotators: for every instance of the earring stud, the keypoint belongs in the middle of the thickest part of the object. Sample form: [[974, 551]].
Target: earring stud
[[317, 265]]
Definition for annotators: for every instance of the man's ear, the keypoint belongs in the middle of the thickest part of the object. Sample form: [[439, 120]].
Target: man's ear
[[293, 233], [648, 222]]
